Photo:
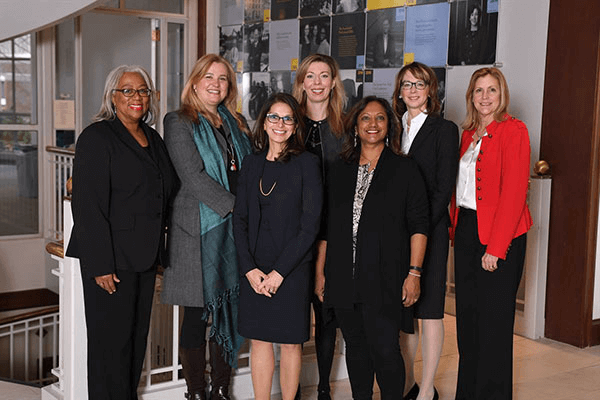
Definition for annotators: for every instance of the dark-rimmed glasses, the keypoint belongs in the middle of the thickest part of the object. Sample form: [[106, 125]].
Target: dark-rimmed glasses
[[407, 85], [131, 92], [287, 120]]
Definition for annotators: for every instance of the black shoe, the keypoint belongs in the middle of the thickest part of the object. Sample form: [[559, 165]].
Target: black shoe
[[298, 393], [220, 393], [436, 395], [323, 395], [413, 393], [196, 396]]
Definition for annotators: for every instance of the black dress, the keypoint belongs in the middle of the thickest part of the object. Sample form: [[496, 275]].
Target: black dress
[[275, 229]]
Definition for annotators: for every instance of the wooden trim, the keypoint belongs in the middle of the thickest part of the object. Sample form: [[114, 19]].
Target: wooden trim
[[27, 299], [27, 315], [201, 28], [60, 150]]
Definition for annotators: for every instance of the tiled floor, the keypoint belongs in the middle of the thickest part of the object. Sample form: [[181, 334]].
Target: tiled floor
[[543, 370]]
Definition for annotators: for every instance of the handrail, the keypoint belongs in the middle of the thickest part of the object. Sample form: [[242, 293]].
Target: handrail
[[27, 315], [60, 150], [56, 249]]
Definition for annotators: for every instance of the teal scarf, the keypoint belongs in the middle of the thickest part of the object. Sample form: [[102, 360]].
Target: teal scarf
[[220, 274]]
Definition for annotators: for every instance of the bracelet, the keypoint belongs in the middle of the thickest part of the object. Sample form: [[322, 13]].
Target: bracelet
[[414, 268], [413, 274]]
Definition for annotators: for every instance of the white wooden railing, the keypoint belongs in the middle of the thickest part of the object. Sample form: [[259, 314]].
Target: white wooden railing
[[61, 160], [29, 347], [160, 376]]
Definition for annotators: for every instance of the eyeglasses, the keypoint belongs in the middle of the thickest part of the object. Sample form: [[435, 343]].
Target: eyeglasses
[[131, 92], [274, 119], [407, 85]]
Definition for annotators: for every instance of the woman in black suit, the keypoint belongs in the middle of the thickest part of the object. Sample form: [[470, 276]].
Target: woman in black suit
[[276, 221], [432, 142], [378, 219], [122, 181]]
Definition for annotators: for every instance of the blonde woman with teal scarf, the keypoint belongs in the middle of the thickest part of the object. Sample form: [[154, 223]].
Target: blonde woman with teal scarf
[[207, 141]]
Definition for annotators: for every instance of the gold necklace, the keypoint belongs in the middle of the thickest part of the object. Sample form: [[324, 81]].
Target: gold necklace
[[261, 188]]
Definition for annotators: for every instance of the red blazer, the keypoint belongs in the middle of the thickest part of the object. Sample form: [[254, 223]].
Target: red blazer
[[502, 174]]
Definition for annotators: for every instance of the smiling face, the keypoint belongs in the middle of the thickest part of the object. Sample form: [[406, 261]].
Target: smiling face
[[372, 124], [279, 132], [318, 82], [474, 17], [212, 88], [486, 97], [414, 98], [130, 110]]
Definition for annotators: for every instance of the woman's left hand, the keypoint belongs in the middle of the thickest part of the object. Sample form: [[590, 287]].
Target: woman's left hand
[[411, 290], [271, 283], [489, 262]]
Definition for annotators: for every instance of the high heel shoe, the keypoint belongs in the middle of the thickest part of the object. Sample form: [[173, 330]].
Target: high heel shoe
[[412, 393], [436, 395]]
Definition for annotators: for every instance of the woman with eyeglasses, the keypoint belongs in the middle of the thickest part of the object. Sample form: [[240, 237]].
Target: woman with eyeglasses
[[207, 140], [432, 142], [490, 220], [122, 182], [320, 92], [276, 220]]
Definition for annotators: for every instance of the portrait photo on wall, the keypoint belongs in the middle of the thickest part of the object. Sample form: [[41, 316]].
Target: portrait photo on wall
[[348, 40], [440, 74], [473, 32], [255, 86], [348, 6], [254, 10], [256, 47], [352, 87], [315, 36], [283, 9], [420, 2], [231, 45], [313, 8], [385, 38], [281, 82]]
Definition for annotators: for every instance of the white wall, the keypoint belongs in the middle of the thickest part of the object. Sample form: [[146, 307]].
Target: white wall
[[22, 264]]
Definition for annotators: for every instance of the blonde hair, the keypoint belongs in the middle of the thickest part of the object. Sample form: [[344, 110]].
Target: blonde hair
[[191, 104], [107, 109], [337, 97], [472, 121]]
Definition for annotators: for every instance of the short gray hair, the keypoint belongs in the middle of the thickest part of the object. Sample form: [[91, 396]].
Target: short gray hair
[[107, 110]]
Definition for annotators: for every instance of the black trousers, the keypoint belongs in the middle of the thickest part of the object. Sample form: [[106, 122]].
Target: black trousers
[[485, 314], [117, 330], [325, 335], [372, 349]]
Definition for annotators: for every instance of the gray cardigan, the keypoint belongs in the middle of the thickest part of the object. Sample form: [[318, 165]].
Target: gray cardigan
[[183, 278]]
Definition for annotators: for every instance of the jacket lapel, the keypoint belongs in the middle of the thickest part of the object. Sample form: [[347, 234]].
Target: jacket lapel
[[423, 133], [124, 136]]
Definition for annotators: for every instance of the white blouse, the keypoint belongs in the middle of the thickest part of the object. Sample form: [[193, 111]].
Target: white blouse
[[408, 135], [466, 195]]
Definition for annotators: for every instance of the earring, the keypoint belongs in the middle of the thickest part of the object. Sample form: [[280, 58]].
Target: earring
[[387, 140], [355, 137]]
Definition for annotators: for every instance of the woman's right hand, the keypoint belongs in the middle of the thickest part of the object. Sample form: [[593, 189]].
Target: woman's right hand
[[320, 286], [255, 277], [107, 282]]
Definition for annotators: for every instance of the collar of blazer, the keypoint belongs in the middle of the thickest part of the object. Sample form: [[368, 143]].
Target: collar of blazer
[[124, 136], [425, 130]]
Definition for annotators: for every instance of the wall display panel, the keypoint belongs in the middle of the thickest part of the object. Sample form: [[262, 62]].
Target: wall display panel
[[353, 86], [257, 11], [310, 35], [284, 9], [256, 47], [348, 40], [379, 4], [380, 83], [231, 45], [255, 88], [312, 8], [281, 82], [473, 32], [283, 45], [348, 6], [427, 33], [385, 38], [421, 2], [232, 12], [440, 74]]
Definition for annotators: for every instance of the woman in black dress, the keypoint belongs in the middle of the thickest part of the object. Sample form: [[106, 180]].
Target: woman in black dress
[[276, 220]]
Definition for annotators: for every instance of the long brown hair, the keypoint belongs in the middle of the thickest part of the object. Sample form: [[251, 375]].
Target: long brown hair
[[191, 104], [295, 144], [424, 73], [350, 151], [472, 121], [337, 97]]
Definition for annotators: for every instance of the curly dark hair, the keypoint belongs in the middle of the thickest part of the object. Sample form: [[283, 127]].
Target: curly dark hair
[[350, 152], [260, 139]]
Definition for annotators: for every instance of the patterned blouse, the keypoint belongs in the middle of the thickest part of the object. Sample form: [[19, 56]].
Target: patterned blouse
[[363, 181]]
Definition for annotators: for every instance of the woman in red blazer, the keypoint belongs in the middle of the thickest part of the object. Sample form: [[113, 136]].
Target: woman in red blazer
[[490, 221]]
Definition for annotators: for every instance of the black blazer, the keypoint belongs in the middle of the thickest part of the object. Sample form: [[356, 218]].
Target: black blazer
[[394, 209], [435, 149], [299, 191], [120, 197]]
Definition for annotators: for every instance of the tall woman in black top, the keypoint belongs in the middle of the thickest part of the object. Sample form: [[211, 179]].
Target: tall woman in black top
[[320, 92]]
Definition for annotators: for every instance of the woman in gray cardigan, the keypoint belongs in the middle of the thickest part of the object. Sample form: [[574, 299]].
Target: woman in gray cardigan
[[207, 141]]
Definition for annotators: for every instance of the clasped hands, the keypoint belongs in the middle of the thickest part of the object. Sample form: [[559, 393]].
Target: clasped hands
[[265, 284]]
